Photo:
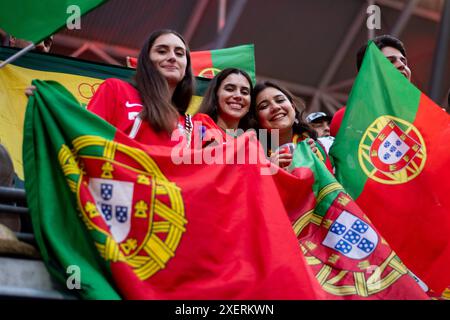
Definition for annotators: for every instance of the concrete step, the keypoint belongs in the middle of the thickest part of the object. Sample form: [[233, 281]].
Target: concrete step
[[23, 278]]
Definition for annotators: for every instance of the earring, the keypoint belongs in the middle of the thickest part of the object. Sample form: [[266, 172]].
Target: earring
[[296, 121]]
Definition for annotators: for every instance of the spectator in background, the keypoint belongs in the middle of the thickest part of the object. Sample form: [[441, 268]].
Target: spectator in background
[[394, 50], [43, 46], [10, 41], [320, 122], [7, 179], [6, 168]]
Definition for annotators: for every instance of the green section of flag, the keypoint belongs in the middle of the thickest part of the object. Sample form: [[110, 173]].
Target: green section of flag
[[242, 57], [35, 20], [51, 202], [304, 157], [374, 93]]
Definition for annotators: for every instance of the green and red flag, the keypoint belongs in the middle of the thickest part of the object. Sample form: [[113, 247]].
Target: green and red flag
[[141, 226], [207, 64], [36, 20], [80, 77], [391, 155], [347, 254]]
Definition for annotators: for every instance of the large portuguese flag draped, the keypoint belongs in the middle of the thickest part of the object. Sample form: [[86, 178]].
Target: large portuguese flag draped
[[392, 156], [80, 77], [347, 254], [140, 226]]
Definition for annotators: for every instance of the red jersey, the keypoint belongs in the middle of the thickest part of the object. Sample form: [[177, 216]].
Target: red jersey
[[119, 103]]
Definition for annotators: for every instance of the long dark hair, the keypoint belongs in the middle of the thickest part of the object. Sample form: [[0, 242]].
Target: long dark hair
[[210, 102], [300, 126], [161, 110]]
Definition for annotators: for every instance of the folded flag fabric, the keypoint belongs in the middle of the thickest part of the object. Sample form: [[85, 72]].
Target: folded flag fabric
[[391, 155], [140, 225], [349, 257]]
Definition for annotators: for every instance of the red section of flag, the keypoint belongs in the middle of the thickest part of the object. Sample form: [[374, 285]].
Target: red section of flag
[[201, 62], [240, 249]]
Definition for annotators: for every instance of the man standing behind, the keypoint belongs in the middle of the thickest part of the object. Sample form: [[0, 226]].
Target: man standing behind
[[320, 122], [394, 50]]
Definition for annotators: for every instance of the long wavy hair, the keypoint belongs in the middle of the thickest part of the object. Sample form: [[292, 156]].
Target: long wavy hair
[[210, 102], [160, 110], [300, 126]]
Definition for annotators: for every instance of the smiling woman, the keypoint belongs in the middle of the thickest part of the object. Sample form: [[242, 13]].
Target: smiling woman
[[152, 106], [276, 109], [227, 100]]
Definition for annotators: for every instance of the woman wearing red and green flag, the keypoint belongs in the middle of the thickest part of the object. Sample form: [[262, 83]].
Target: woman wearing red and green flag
[[393, 160]]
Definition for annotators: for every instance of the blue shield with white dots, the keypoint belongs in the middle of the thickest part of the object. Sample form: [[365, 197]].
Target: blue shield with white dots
[[121, 214], [351, 237], [106, 191]]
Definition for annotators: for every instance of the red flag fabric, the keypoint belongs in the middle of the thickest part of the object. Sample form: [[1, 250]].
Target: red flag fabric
[[156, 222]]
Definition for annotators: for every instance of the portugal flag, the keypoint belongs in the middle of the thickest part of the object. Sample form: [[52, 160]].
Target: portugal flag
[[349, 257], [392, 156], [208, 63], [141, 226]]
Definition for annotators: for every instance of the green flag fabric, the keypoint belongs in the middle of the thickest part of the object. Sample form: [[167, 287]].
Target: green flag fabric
[[35, 20]]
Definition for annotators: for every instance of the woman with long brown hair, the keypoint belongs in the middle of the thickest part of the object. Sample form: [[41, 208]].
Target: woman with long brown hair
[[275, 108], [227, 100], [153, 105]]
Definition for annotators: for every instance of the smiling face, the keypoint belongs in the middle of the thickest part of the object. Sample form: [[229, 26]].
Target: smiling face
[[168, 55], [274, 110], [233, 96], [398, 60]]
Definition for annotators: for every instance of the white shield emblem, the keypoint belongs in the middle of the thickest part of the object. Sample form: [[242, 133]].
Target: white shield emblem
[[351, 236], [392, 149], [113, 200]]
